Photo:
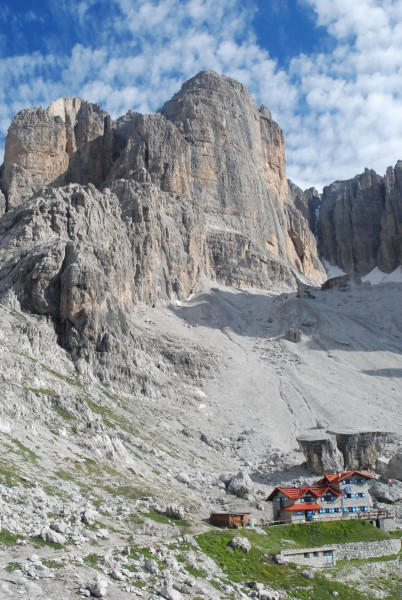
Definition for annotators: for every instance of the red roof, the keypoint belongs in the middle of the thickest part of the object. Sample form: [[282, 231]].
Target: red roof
[[295, 493], [336, 478], [310, 506]]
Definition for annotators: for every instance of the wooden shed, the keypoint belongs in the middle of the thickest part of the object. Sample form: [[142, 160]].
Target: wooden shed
[[233, 520]]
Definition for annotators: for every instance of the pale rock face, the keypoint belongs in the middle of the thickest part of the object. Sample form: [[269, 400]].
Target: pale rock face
[[210, 147], [54, 146]]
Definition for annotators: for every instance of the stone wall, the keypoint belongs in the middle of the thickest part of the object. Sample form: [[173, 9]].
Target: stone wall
[[367, 549], [323, 556]]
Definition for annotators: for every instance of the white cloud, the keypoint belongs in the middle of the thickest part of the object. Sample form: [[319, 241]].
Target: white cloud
[[340, 111]]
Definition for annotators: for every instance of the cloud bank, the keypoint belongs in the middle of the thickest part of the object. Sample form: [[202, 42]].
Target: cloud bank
[[340, 111]]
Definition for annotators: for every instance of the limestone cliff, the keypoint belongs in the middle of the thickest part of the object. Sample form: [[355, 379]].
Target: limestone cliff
[[360, 222], [209, 145]]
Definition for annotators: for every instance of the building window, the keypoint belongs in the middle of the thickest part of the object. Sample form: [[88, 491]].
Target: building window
[[307, 555], [345, 510], [301, 499], [338, 510], [327, 553], [365, 508], [348, 495], [322, 511], [299, 513]]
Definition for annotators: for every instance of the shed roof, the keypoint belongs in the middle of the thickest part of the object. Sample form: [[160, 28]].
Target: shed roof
[[231, 513]]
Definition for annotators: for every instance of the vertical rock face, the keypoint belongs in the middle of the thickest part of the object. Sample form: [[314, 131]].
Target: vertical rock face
[[360, 222], [329, 452], [64, 143], [210, 144], [361, 449], [321, 452], [390, 253]]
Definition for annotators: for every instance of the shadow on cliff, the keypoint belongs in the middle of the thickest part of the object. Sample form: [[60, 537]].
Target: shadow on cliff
[[326, 324], [238, 312], [384, 372]]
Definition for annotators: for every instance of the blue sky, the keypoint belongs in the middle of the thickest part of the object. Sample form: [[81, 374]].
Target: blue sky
[[329, 70]]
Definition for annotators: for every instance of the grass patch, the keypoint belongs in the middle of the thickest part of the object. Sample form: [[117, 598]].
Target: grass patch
[[239, 566], [158, 518], [91, 560], [8, 477], [12, 566], [106, 413], [44, 391], [65, 475], [62, 412], [27, 452], [40, 543], [195, 572], [7, 538], [52, 564], [70, 380], [126, 491]]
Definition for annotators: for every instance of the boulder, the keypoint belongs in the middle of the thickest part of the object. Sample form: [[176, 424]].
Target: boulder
[[98, 587], [89, 516], [385, 493], [174, 511], [53, 537], [241, 543], [394, 467], [151, 566], [240, 484], [60, 526]]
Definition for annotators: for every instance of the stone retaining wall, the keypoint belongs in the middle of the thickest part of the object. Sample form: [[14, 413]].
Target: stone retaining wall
[[367, 549]]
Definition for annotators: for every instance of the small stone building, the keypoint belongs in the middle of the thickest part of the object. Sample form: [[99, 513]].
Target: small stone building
[[338, 496], [323, 556]]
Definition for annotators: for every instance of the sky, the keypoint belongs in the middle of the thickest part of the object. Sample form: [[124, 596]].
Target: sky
[[330, 71]]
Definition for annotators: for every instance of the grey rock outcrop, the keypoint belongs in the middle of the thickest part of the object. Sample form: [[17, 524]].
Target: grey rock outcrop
[[341, 282], [2, 204], [394, 467], [293, 335], [328, 452], [360, 222], [360, 449], [321, 452], [385, 493]]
